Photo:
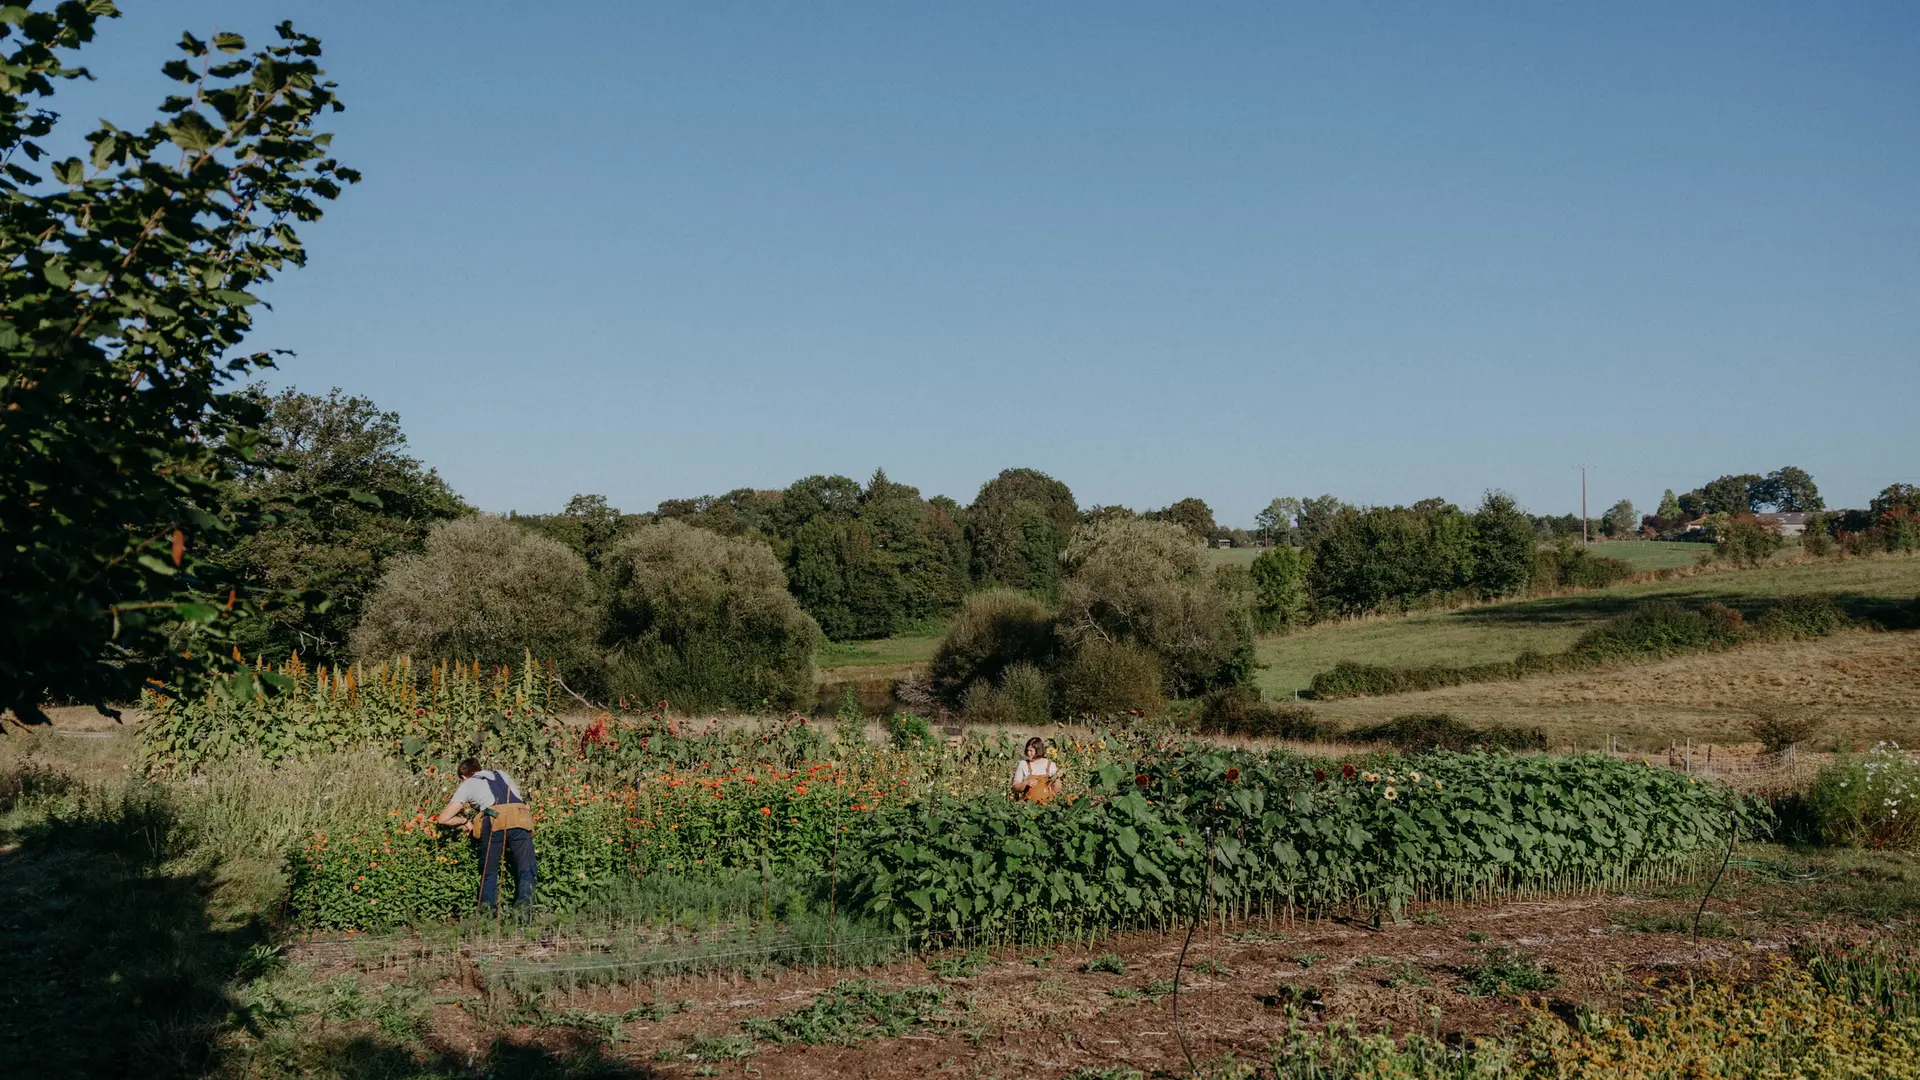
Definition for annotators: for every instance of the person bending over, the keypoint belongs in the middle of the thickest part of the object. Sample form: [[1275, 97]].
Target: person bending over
[[488, 804]]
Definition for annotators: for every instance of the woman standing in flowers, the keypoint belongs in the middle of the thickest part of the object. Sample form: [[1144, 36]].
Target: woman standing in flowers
[[1036, 779]]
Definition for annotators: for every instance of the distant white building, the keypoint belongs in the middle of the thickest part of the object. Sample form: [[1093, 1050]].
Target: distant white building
[[1791, 524]]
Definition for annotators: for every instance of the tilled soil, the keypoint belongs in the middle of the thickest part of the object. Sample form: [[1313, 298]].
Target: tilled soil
[[1034, 1012]]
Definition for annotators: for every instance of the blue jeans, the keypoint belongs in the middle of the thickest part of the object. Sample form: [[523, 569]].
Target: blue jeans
[[516, 844]]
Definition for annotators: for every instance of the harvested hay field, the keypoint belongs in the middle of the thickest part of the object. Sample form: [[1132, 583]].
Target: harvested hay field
[[1866, 684]]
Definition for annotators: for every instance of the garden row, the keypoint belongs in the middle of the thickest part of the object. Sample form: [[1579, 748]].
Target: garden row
[[1139, 844]]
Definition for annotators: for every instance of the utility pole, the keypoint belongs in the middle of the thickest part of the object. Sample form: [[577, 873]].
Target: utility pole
[[1583, 506]]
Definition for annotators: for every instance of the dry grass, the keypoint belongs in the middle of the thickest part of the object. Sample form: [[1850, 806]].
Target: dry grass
[[1865, 684]]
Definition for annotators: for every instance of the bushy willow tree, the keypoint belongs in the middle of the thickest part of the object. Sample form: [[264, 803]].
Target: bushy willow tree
[[127, 279]]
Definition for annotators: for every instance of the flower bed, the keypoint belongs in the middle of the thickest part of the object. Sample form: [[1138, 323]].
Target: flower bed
[[586, 838]]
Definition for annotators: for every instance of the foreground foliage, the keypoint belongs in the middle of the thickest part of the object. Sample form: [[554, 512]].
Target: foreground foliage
[[123, 285]]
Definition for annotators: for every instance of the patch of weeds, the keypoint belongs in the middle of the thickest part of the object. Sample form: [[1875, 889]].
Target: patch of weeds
[[1637, 922], [1040, 961], [1210, 966], [1298, 996], [604, 1026], [964, 966], [1375, 961], [1308, 959], [1257, 935], [1123, 993], [1405, 975], [1430, 918], [1504, 971], [1115, 1073], [708, 1048], [852, 1010], [1157, 989], [1107, 962], [1476, 937]]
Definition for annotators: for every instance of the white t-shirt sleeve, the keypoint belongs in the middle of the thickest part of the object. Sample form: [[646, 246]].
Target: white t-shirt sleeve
[[474, 790], [1021, 772]]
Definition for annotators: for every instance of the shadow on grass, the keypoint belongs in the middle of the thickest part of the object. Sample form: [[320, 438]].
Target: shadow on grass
[[118, 967], [575, 1058]]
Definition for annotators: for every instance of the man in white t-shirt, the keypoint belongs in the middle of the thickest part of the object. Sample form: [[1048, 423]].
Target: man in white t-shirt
[[500, 825]]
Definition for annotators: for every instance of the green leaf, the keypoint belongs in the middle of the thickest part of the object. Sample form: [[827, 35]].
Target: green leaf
[[229, 43], [158, 566], [197, 613], [191, 132]]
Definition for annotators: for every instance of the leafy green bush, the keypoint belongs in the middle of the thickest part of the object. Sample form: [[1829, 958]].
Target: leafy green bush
[[704, 621], [906, 730], [1418, 732], [1656, 628], [1281, 600], [1567, 567], [851, 1010], [993, 631], [1238, 710], [1796, 617], [484, 589], [1870, 800], [1147, 583], [1103, 678]]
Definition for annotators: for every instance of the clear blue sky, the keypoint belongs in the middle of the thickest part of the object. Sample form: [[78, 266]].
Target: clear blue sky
[[1226, 250]]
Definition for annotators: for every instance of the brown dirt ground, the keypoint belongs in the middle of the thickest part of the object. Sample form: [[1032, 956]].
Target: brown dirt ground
[[1866, 684], [1017, 1019]]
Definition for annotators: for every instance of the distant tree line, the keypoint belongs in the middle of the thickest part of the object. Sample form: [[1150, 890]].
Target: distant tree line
[[722, 600]]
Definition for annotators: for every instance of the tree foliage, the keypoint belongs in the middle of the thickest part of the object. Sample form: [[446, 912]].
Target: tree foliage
[[1788, 490], [1281, 600], [866, 563], [1147, 583], [1017, 527], [487, 590], [1193, 515], [321, 449], [993, 631], [128, 281], [1621, 520], [704, 620]]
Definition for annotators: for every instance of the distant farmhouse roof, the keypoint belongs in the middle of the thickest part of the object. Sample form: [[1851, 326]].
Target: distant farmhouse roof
[[1792, 523]]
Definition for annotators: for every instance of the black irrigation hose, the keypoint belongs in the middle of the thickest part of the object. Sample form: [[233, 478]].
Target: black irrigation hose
[[1733, 838], [1178, 964]]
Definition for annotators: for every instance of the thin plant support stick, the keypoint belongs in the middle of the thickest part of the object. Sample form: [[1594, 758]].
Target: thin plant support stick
[[1733, 837], [1178, 1032]]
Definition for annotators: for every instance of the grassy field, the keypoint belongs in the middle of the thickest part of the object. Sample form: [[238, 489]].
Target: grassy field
[[1499, 631], [1233, 556], [901, 651], [1652, 554], [1864, 685]]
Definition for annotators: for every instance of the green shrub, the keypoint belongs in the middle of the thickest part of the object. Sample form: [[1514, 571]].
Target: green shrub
[[907, 730], [704, 621], [993, 631], [1028, 696], [1569, 567], [484, 589], [1504, 971], [1419, 732], [1746, 539], [1870, 800], [1779, 728], [1147, 583], [1281, 600], [1796, 617], [1103, 678], [1238, 710], [1656, 628]]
